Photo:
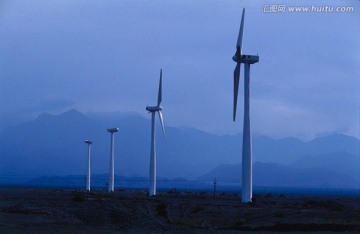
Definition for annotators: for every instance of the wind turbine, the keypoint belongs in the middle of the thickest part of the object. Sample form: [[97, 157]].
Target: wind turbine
[[88, 142], [240, 58], [152, 110], [111, 174]]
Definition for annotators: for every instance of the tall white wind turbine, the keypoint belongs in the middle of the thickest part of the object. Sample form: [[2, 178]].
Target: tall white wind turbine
[[152, 110], [240, 58], [111, 174], [88, 142]]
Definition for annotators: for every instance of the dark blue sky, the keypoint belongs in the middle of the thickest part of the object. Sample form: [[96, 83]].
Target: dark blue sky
[[105, 56]]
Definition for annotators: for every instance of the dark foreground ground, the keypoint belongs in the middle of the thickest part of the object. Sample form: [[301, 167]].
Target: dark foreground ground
[[67, 211]]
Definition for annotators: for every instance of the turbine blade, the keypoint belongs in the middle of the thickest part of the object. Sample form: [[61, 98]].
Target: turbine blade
[[160, 89], [240, 36], [236, 87], [162, 123]]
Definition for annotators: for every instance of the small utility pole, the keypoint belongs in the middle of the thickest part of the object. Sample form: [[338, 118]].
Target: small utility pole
[[214, 188]]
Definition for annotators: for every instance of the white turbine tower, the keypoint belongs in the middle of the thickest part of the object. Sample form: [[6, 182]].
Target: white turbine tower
[[240, 58], [111, 174], [152, 110], [88, 142]]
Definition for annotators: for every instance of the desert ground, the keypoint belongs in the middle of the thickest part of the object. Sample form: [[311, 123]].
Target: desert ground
[[34, 210]]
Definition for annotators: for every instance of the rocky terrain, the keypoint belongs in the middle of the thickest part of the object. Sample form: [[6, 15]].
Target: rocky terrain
[[30, 210]]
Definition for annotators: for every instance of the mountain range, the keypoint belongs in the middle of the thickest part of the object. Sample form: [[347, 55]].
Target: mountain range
[[53, 145]]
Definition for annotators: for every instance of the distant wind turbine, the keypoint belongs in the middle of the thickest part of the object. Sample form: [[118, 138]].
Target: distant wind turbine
[[240, 58], [152, 110], [88, 142], [111, 174]]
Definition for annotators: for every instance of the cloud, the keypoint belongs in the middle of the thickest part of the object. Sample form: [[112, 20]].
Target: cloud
[[54, 103], [106, 55], [278, 119], [27, 109]]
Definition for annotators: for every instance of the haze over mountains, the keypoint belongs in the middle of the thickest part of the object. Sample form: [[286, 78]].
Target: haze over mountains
[[53, 145]]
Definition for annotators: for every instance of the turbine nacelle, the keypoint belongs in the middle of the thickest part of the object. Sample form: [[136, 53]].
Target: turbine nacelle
[[153, 108], [112, 129], [88, 142], [251, 59]]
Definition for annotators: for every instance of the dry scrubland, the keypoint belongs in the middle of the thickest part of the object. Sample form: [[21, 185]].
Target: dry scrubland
[[67, 211]]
